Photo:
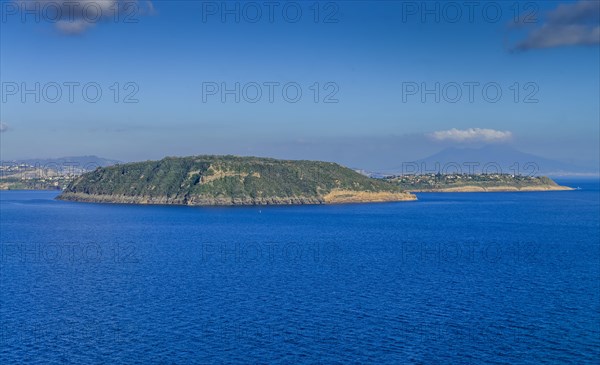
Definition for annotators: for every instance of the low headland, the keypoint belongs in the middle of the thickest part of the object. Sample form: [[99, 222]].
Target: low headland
[[467, 183], [230, 180]]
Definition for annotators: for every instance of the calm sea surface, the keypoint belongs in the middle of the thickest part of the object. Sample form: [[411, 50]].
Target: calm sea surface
[[453, 278]]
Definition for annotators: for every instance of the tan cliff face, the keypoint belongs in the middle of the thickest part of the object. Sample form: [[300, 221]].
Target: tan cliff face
[[348, 196], [220, 174]]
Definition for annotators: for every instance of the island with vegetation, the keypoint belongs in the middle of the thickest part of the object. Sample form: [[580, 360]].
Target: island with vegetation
[[230, 180], [474, 183]]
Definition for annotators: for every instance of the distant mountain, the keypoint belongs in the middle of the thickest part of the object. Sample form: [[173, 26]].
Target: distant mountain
[[75, 163], [491, 159]]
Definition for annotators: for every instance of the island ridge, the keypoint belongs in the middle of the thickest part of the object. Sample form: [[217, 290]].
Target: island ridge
[[230, 180]]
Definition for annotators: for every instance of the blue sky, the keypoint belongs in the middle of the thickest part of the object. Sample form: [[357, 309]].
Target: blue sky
[[365, 55]]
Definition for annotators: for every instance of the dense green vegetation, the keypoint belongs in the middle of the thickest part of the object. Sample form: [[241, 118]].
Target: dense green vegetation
[[180, 180]]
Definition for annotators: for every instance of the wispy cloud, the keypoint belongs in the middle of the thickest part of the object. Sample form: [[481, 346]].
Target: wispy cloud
[[77, 26], [3, 127], [73, 17], [567, 25], [471, 135]]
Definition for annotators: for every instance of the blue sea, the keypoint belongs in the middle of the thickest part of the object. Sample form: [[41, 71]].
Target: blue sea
[[454, 278]]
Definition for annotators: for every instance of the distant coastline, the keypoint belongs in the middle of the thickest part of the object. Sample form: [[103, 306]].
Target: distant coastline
[[494, 189], [233, 180], [475, 183]]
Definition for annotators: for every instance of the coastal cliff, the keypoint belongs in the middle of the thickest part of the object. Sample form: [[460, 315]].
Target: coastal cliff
[[230, 180]]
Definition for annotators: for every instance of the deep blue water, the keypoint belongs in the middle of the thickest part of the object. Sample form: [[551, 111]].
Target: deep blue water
[[453, 278]]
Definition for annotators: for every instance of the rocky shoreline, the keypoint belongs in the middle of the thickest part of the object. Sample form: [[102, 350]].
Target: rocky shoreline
[[346, 196], [335, 197], [494, 189]]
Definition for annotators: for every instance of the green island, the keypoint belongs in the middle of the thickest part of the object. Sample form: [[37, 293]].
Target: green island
[[474, 183], [230, 180]]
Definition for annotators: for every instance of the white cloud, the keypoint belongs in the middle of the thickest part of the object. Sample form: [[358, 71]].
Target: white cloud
[[3, 127], [549, 36], [73, 27], [581, 11], [567, 25], [77, 16], [471, 135]]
